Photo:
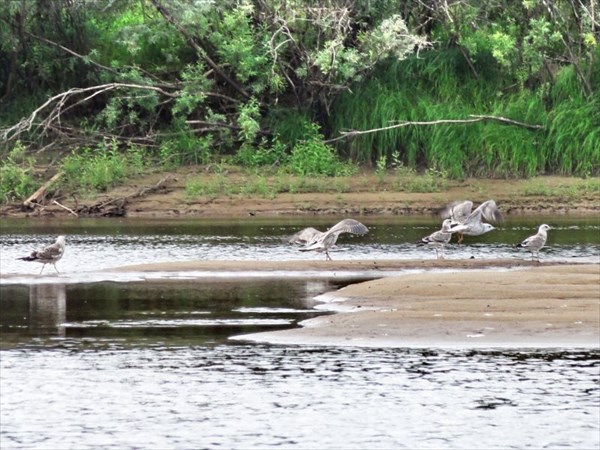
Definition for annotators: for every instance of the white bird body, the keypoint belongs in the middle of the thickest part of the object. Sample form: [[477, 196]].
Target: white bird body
[[322, 242], [535, 243], [468, 222], [49, 254], [438, 239]]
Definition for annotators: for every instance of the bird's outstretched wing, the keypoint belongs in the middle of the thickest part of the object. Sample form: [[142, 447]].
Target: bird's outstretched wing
[[490, 211], [457, 211], [348, 226]]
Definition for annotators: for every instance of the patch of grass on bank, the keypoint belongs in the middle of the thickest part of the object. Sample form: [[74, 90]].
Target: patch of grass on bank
[[17, 177], [248, 183], [577, 188], [91, 170]]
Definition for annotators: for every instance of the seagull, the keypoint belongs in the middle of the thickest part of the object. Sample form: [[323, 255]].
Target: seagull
[[304, 236], [322, 242], [536, 242], [49, 254], [465, 222], [438, 239]]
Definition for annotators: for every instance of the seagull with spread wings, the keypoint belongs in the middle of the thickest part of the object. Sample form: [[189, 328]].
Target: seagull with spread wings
[[322, 242], [469, 222]]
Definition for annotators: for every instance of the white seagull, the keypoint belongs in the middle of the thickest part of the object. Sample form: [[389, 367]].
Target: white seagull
[[535, 243], [50, 254], [322, 242], [304, 236], [438, 239], [470, 223]]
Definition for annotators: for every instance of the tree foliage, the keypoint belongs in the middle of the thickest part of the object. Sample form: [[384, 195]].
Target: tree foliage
[[188, 79]]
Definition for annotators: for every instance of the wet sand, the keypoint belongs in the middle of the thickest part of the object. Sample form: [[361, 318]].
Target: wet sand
[[467, 305]]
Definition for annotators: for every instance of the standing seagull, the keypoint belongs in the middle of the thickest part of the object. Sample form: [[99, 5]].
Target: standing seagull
[[536, 242], [438, 239], [324, 241], [49, 254], [465, 222]]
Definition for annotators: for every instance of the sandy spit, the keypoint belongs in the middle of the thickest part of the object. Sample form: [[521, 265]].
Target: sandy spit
[[555, 306]]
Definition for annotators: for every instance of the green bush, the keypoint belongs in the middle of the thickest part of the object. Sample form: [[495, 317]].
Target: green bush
[[16, 175], [263, 155], [99, 169], [313, 157]]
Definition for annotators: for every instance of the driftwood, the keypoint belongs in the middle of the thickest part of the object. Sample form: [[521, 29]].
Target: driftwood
[[34, 199], [117, 207], [64, 207]]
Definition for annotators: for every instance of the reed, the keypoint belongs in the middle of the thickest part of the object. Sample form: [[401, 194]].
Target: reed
[[439, 86]]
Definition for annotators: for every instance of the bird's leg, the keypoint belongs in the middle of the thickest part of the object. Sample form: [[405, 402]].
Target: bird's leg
[[43, 265], [442, 253], [460, 238], [328, 258], [55, 268]]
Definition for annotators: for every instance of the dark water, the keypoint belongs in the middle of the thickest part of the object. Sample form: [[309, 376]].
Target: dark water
[[126, 363]]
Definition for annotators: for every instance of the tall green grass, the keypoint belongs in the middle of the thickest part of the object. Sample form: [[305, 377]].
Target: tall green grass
[[439, 86]]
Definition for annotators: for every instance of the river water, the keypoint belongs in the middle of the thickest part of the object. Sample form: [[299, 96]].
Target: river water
[[114, 361]]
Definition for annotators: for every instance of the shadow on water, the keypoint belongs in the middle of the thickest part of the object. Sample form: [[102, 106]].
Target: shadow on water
[[170, 313]]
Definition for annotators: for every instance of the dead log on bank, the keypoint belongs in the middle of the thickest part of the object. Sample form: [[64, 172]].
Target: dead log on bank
[[35, 199]]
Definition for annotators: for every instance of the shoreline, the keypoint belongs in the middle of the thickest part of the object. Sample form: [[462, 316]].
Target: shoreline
[[538, 307]]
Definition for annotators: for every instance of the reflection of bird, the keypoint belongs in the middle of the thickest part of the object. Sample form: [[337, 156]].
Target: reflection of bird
[[465, 222], [438, 239], [304, 236], [49, 254], [322, 242], [535, 243]]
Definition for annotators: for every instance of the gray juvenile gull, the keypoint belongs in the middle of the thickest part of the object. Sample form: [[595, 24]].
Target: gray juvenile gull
[[324, 241], [438, 239], [535, 243], [49, 254], [470, 223]]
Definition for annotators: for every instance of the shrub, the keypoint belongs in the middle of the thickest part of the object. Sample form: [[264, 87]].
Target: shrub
[[102, 168], [16, 175], [313, 157]]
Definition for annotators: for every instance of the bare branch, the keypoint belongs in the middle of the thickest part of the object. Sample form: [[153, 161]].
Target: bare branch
[[475, 118], [59, 101]]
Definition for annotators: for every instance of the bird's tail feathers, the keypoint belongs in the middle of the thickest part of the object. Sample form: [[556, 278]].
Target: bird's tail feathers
[[28, 258]]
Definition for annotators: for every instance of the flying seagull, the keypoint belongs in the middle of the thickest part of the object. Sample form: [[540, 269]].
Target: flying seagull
[[50, 254], [535, 243], [438, 239], [470, 223], [322, 242]]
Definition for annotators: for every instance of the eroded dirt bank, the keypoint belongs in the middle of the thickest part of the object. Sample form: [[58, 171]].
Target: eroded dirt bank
[[163, 195]]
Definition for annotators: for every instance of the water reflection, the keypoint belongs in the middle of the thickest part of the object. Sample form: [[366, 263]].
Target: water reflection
[[47, 309], [172, 313]]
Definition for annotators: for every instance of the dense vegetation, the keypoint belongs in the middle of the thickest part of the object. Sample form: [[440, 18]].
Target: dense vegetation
[[505, 88]]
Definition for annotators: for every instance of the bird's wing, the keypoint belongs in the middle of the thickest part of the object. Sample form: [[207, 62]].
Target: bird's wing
[[304, 236], [348, 226], [535, 241], [53, 251], [457, 211], [437, 237], [489, 210]]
